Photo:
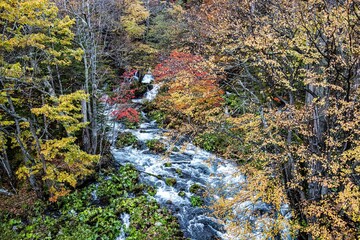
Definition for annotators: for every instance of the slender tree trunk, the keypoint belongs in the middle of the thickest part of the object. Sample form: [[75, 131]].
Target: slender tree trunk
[[28, 160], [86, 132], [38, 150], [6, 165], [94, 121]]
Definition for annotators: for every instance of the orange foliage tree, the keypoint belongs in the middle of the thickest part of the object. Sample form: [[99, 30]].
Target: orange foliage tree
[[193, 93]]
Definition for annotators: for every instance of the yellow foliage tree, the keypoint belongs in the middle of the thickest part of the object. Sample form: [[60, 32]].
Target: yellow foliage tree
[[35, 43], [298, 64], [134, 18], [61, 162]]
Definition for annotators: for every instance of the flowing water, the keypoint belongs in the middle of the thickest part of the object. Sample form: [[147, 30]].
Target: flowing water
[[190, 165]]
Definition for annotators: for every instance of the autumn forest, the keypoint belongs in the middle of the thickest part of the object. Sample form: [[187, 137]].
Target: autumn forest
[[179, 119]]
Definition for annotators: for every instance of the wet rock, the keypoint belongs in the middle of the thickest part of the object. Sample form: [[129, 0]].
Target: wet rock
[[201, 231], [141, 145], [5, 192], [262, 207], [197, 189], [202, 169], [284, 209], [180, 158]]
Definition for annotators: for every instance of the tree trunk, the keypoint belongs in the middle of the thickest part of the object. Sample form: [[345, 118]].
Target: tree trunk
[[28, 160]]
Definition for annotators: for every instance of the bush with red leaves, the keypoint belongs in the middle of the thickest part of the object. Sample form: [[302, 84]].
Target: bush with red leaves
[[130, 114]]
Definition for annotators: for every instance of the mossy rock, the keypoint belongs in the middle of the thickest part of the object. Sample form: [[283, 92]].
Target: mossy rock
[[213, 141], [178, 171], [148, 106], [170, 181], [168, 164], [182, 194], [196, 189], [126, 139], [156, 146], [196, 201], [131, 125]]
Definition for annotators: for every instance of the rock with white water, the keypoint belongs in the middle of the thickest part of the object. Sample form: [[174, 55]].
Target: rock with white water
[[150, 95], [148, 78]]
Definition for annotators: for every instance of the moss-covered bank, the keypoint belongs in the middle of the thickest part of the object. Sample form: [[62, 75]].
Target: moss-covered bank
[[94, 213]]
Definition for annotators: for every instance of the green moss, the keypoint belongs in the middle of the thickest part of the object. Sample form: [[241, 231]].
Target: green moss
[[170, 181], [125, 139], [179, 171], [78, 216], [151, 191], [156, 146], [140, 89], [182, 194], [168, 164], [213, 142], [196, 201]]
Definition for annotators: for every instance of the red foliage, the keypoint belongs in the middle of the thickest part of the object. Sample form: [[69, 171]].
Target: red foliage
[[122, 94], [193, 89], [178, 62], [125, 90], [127, 113], [276, 99], [129, 75]]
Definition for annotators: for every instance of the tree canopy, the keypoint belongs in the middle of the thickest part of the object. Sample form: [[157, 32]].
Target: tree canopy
[[272, 85]]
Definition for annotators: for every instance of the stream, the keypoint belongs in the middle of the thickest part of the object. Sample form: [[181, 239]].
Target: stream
[[189, 165]]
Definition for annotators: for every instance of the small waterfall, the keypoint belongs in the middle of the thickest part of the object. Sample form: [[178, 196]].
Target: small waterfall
[[150, 95], [125, 218]]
